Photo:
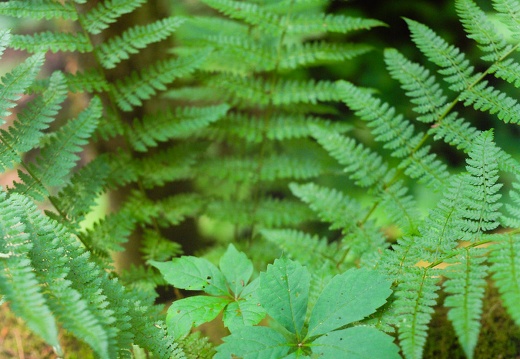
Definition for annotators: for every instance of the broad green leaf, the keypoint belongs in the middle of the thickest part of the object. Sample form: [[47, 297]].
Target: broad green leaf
[[284, 293], [246, 310], [253, 343], [355, 343], [348, 297], [237, 269], [187, 313], [193, 273], [242, 313]]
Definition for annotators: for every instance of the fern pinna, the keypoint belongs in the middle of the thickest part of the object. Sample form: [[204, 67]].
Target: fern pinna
[[467, 237]]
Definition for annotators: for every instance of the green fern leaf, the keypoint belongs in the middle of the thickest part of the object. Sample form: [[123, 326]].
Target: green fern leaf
[[331, 205], [507, 70], [77, 197], [65, 302], [305, 24], [509, 14], [39, 9], [466, 286], [119, 48], [107, 12], [302, 247], [454, 66], [252, 14], [398, 134], [487, 98], [139, 86], [505, 269], [18, 282], [58, 156], [53, 41], [481, 205], [416, 296], [420, 86], [15, 83], [480, 28], [180, 123], [89, 81], [319, 53], [281, 126], [26, 132]]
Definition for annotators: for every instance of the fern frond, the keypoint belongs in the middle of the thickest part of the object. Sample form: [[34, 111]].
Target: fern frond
[[512, 218], [155, 247], [274, 167], [58, 156], [129, 42], [110, 233], [309, 250], [173, 164], [180, 123], [419, 85], [53, 41], [27, 130], [486, 98], [505, 270], [480, 28], [398, 133], [455, 68], [107, 12], [507, 70], [481, 207], [39, 9], [416, 297], [319, 53], [330, 205], [305, 24], [455, 131], [466, 285], [80, 194], [262, 92], [66, 303], [365, 167], [139, 86], [509, 14], [249, 13], [281, 126], [88, 81], [18, 282], [267, 213], [15, 82], [5, 37]]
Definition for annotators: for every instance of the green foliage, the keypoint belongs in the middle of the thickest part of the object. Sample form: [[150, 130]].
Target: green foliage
[[347, 298], [235, 119], [229, 288]]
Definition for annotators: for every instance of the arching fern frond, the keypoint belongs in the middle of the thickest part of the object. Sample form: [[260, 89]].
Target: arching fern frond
[[116, 49], [505, 270], [53, 41], [58, 155], [455, 68], [39, 9], [27, 130], [139, 86], [419, 85], [480, 28], [106, 12], [15, 82], [18, 281], [179, 123]]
